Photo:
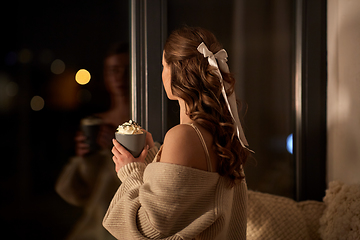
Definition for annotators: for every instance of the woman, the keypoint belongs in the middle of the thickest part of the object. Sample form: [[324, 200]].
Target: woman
[[195, 187], [88, 180]]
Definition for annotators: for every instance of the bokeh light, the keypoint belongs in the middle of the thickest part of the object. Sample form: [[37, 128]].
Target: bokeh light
[[57, 66], [37, 103], [82, 77], [62, 91], [289, 143]]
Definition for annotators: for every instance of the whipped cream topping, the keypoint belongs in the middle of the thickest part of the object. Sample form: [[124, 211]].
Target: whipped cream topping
[[130, 127]]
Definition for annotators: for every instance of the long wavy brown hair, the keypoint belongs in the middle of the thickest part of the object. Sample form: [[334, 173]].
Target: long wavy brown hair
[[196, 82]]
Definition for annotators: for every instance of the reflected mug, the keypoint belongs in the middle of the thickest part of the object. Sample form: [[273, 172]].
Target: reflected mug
[[90, 127]]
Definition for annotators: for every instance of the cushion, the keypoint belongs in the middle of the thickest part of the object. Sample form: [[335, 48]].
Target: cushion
[[275, 217], [341, 218]]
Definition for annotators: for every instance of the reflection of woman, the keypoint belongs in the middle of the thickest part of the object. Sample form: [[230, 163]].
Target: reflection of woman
[[88, 180], [116, 78], [195, 187]]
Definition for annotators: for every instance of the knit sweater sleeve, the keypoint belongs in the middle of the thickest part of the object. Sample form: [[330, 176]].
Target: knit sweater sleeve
[[162, 201]]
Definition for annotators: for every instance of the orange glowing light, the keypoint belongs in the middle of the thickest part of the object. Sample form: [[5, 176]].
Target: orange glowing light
[[82, 77]]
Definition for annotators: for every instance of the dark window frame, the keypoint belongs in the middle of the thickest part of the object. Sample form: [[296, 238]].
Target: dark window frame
[[310, 85]]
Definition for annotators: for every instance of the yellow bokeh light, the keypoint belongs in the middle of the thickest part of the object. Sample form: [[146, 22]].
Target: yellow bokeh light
[[82, 77]]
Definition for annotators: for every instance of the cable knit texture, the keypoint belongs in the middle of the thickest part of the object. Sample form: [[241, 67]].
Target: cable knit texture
[[341, 218], [169, 201]]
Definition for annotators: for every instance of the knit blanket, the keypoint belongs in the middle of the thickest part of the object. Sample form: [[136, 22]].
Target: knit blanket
[[276, 217], [341, 218]]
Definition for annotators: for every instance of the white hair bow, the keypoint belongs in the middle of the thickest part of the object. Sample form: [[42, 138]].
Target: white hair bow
[[221, 57]]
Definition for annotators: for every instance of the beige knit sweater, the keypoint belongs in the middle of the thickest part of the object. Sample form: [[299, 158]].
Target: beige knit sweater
[[169, 201]]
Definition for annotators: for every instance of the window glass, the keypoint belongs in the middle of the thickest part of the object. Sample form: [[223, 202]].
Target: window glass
[[44, 45]]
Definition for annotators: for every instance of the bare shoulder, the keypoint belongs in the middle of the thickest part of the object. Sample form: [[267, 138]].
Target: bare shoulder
[[181, 130], [183, 147]]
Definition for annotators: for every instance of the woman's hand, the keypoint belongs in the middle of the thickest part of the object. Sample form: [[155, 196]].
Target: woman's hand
[[122, 156]]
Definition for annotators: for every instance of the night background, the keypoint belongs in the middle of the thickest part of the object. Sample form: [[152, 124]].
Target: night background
[[43, 45]]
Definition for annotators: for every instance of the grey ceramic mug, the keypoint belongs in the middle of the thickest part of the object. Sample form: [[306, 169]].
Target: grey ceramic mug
[[134, 143]]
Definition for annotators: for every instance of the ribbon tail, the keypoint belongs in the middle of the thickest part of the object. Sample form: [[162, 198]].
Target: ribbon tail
[[231, 103]]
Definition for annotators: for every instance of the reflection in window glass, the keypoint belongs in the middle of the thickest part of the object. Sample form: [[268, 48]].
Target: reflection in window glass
[[44, 44]]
